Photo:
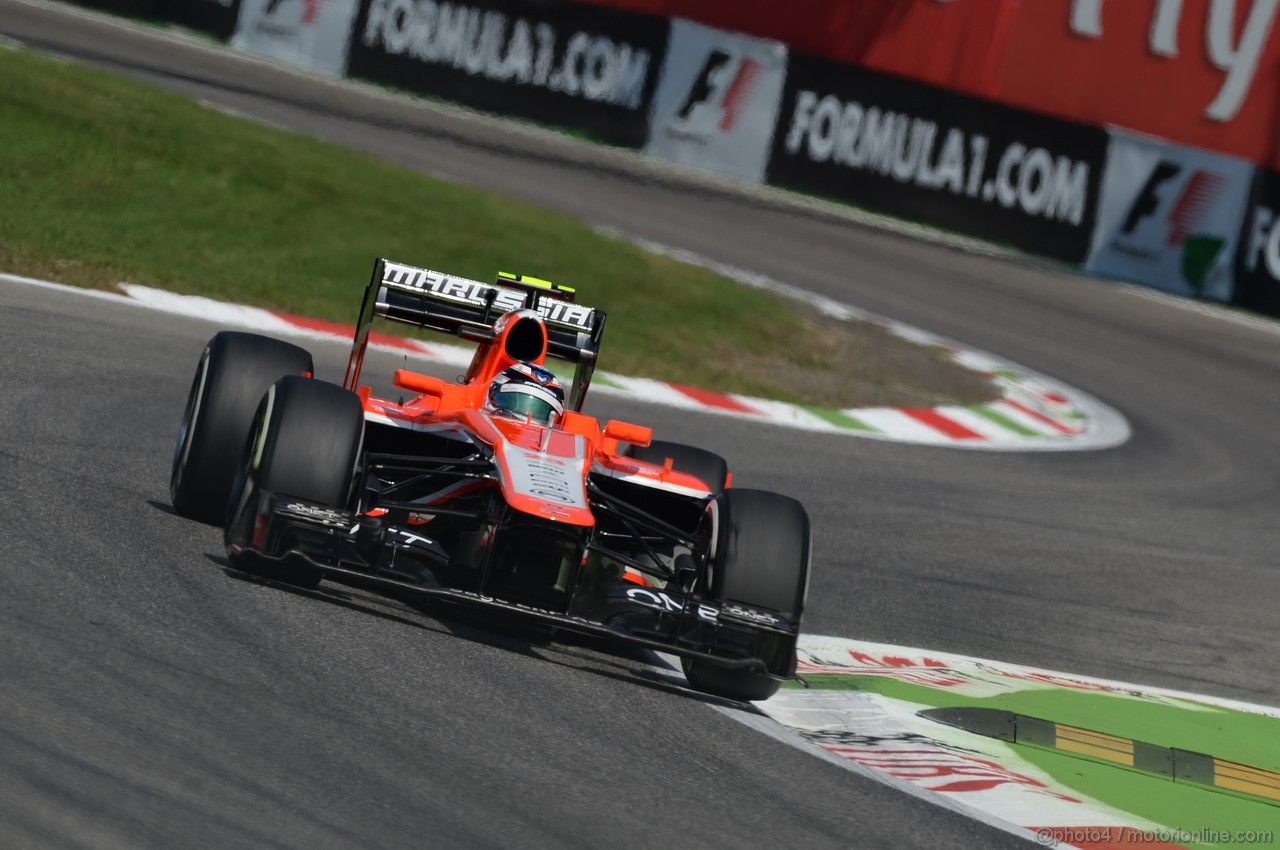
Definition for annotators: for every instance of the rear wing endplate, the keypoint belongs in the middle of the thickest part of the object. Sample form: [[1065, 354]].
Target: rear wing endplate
[[469, 308]]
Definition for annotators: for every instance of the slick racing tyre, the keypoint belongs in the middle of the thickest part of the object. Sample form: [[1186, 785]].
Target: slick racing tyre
[[759, 557], [306, 443], [234, 371], [712, 469]]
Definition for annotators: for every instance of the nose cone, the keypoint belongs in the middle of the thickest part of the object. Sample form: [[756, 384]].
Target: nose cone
[[543, 471]]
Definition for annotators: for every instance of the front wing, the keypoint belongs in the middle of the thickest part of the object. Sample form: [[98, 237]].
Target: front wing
[[339, 543]]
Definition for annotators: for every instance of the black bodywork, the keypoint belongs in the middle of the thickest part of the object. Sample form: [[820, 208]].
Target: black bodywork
[[473, 548]]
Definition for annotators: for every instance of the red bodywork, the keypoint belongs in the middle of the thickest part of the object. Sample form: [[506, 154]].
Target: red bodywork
[[569, 450]]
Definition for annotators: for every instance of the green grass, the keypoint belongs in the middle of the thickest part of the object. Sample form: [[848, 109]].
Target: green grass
[[1241, 736], [1253, 739], [105, 180], [1187, 808]]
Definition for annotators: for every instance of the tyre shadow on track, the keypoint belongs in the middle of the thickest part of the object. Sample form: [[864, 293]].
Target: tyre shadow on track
[[163, 507], [566, 649]]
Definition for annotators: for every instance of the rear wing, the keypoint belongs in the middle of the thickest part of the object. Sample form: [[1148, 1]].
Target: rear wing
[[469, 308]]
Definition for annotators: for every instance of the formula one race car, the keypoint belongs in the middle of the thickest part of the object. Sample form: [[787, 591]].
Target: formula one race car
[[496, 491]]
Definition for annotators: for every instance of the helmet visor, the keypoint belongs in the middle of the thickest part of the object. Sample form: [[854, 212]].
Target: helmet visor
[[523, 404]]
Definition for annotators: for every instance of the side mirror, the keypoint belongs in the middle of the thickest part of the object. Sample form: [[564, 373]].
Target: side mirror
[[424, 384], [625, 432]]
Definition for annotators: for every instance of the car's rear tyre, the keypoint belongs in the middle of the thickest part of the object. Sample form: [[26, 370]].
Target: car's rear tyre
[[707, 466], [306, 442], [759, 557], [234, 371]]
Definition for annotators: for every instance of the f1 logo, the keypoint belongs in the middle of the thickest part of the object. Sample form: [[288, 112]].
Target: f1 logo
[[1148, 201], [702, 89], [722, 86], [311, 8], [1193, 202]]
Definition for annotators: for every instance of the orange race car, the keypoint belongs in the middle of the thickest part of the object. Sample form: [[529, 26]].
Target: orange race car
[[496, 491]]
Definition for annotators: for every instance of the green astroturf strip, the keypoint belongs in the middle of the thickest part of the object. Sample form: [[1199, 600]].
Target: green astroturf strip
[[1251, 739], [1171, 804], [1003, 421], [842, 420]]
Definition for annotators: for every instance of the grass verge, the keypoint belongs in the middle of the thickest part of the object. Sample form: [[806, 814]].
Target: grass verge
[[1192, 809], [107, 180], [1240, 736]]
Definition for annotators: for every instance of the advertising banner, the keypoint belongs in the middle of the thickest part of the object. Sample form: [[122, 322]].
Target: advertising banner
[[585, 67], [1204, 73], [938, 157], [717, 100], [311, 33], [133, 8], [1170, 216], [1258, 257], [215, 17], [950, 43]]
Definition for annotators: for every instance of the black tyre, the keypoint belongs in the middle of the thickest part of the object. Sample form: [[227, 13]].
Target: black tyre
[[234, 371], [712, 469], [759, 557], [306, 442]]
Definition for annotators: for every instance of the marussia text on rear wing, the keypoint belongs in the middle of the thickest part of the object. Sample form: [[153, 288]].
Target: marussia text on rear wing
[[469, 308]]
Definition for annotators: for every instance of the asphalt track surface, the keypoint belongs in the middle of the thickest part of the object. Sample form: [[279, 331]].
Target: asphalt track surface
[[154, 698]]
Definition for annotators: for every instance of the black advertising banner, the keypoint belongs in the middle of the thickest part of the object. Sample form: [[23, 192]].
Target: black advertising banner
[[1258, 249], [215, 17], [938, 157], [586, 67], [131, 8]]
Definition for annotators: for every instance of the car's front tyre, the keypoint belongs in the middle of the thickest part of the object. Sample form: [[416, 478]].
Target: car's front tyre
[[306, 442], [234, 371], [759, 557]]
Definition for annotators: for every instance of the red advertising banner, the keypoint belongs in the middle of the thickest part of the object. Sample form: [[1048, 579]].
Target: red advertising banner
[[1204, 73], [946, 44], [1201, 72]]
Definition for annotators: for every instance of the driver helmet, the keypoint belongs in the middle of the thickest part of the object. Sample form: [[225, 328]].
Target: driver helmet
[[527, 391]]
